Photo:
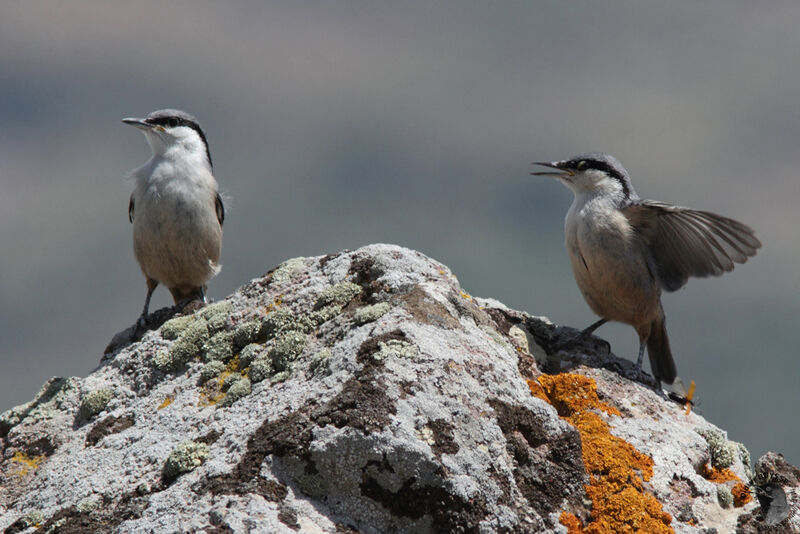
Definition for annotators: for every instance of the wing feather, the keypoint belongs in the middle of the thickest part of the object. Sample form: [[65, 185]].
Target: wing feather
[[684, 242]]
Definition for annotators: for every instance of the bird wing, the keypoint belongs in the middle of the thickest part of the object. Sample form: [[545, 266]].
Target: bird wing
[[220, 207], [686, 242], [130, 209]]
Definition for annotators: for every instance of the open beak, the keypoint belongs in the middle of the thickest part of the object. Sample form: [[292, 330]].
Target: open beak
[[139, 123], [562, 173]]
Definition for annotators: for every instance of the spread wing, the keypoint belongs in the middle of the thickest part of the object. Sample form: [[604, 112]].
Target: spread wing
[[686, 242], [130, 209], [220, 207]]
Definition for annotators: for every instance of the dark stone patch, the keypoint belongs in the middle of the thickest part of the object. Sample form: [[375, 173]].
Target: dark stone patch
[[448, 512], [427, 310], [502, 321], [362, 404], [43, 446], [109, 425], [17, 526], [210, 438], [548, 470], [328, 257], [288, 517], [288, 435], [222, 528], [103, 520], [443, 437], [365, 274], [372, 345]]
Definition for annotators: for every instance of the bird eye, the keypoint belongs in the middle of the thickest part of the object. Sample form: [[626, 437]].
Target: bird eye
[[581, 165], [172, 122]]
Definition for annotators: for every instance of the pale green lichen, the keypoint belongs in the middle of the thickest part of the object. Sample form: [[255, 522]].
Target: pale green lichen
[[187, 456], [323, 315], [371, 313], [283, 321], [286, 348], [260, 369], [143, 488], [723, 452], [247, 333], [744, 456], [33, 519], [724, 496], [249, 353], [211, 370], [187, 346], [95, 402], [320, 362], [175, 326], [229, 380], [287, 270], [339, 294], [280, 377], [89, 505], [219, 347], [236, 390], [45, 405], [216, 315], [396, 348], [496, 336]]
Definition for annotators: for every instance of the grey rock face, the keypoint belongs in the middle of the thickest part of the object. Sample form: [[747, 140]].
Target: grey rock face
[[358, 392]]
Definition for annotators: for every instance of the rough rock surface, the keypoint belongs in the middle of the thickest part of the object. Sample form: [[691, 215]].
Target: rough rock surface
[[367, 392]]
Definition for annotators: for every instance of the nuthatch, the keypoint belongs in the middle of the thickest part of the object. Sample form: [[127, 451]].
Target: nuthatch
[[175, 208], [625, 250]]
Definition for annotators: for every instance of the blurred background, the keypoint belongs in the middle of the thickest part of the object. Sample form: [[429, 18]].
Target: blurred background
[[333, 125]]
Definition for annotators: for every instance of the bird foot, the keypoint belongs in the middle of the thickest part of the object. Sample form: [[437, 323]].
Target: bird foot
[[582, 338]]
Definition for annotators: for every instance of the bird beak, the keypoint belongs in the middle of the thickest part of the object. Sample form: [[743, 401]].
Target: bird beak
[[139, 123], [563, 173]]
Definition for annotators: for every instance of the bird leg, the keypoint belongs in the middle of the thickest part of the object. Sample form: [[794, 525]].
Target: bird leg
[[141, 323]]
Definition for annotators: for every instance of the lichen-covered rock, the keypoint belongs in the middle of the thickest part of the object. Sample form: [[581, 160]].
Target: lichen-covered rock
[[367, 314], [95, 402], [366, 391], [187, 456]]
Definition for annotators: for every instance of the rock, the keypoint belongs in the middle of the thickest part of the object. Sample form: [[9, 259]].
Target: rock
[[366, 391]]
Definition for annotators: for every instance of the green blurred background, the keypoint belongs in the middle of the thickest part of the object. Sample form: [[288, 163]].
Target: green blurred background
[[337, 124]]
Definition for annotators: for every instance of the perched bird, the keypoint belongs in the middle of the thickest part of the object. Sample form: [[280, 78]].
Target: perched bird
[[625, 250], [175, 208]]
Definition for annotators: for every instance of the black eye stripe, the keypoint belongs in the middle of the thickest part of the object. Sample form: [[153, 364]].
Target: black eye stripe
[[174, 122], [605, 167]]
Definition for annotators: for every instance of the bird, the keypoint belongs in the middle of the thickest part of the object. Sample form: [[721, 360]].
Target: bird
[[625, 250], [175, 208]]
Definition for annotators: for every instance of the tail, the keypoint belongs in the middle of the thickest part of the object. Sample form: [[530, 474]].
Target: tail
[[658, 350]]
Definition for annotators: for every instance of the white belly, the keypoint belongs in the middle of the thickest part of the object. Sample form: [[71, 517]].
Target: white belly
[[610, 270]]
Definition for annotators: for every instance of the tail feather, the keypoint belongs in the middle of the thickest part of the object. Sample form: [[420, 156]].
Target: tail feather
[[658, 350]]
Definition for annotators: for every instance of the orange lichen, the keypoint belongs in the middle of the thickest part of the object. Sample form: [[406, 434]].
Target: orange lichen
[[274, 304], [537, 390], [716, 475], [572, 523], [616, 469], [741, 494], [689, 397], [212, 392], [167, 401], [25, 464]]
